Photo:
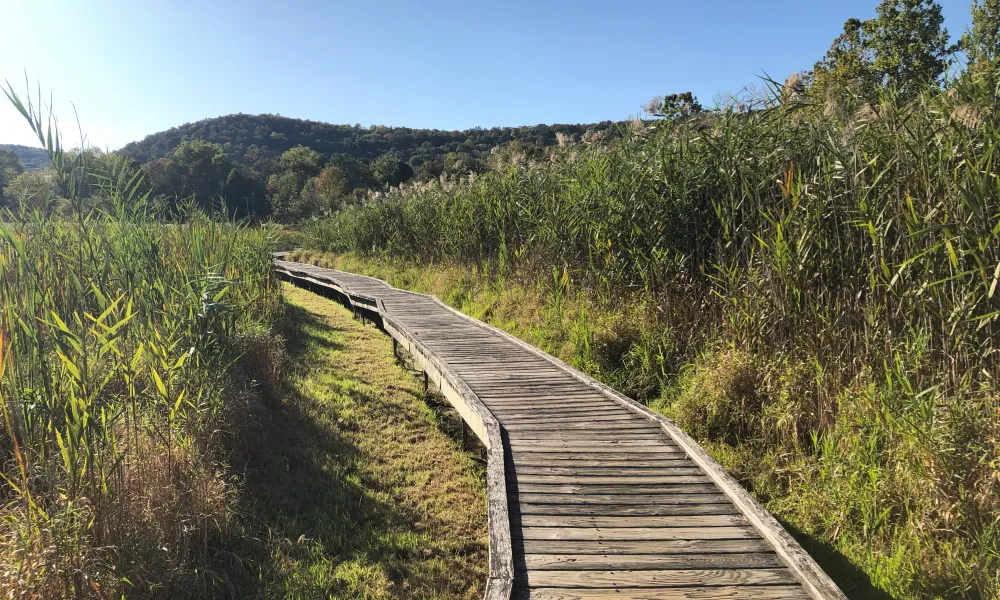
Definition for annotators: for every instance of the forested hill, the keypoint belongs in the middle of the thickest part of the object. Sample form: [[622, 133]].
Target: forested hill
[[247, 138], [31, 158]]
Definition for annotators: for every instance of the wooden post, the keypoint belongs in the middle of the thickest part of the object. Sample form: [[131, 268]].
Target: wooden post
[[465, 435], [427, 384]]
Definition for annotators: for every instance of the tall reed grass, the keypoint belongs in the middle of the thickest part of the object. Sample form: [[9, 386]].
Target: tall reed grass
[[818, 285], [119, 336]]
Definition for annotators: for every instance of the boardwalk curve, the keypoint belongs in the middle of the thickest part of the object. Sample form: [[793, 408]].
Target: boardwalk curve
[[590, 494]]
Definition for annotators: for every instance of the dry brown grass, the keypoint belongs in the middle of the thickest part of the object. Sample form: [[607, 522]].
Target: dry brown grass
[[171, 503]]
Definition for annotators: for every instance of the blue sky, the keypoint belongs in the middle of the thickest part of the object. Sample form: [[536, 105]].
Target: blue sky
[[135, 70]]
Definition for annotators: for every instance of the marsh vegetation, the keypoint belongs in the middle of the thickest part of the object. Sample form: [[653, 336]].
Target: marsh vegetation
[[805, 278]]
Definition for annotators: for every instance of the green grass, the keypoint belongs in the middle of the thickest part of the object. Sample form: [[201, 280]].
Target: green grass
[[363, 494]]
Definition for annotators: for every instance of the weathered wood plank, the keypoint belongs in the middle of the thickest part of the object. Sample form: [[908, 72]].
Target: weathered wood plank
[[544, 407], [610, 434], [567, 417], [610, 454], [633, 547], [534, 447], [522, 382], [651, 462], [631, 521], [653, 578], [624, 510], [479, 363], [689, 494], [571, 397], [605, 562], [746, 592], [632, 446], [633, 533], [523, 389], [626, 425], [605, 480], [534, 407], [684, 468], [571, 415], [582, 435], [631, 431], [543, 400], [645, 490], [525, 375]]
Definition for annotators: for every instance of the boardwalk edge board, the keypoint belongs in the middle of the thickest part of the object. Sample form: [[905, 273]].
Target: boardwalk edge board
[[487, 427]]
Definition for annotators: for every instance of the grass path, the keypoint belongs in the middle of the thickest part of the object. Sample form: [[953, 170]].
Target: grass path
[[364, 494]]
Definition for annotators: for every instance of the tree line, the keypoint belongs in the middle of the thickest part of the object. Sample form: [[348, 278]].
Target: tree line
[[289, 169], [269, 166]]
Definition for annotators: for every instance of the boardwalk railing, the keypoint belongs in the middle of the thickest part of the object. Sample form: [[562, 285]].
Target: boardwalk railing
[[590, 494]]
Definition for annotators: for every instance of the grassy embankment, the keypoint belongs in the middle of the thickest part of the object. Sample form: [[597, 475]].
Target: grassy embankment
[[356, 472], [147, 451], [808, 288]]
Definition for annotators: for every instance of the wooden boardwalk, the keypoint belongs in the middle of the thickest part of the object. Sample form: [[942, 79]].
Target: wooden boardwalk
[[590, 494]]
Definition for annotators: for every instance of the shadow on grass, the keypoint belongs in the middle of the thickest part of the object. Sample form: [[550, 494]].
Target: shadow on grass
[[446, 418], [853, 581], [305, 486], [297, 329]]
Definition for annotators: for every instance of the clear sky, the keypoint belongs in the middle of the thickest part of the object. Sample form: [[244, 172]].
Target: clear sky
[[135, 68]]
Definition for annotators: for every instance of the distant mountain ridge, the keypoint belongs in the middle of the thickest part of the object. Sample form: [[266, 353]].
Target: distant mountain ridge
[[270, 135], [31, 158]]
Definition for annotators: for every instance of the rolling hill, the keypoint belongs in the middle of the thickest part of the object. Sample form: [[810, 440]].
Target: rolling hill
[[270, 135], [31, 158]]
